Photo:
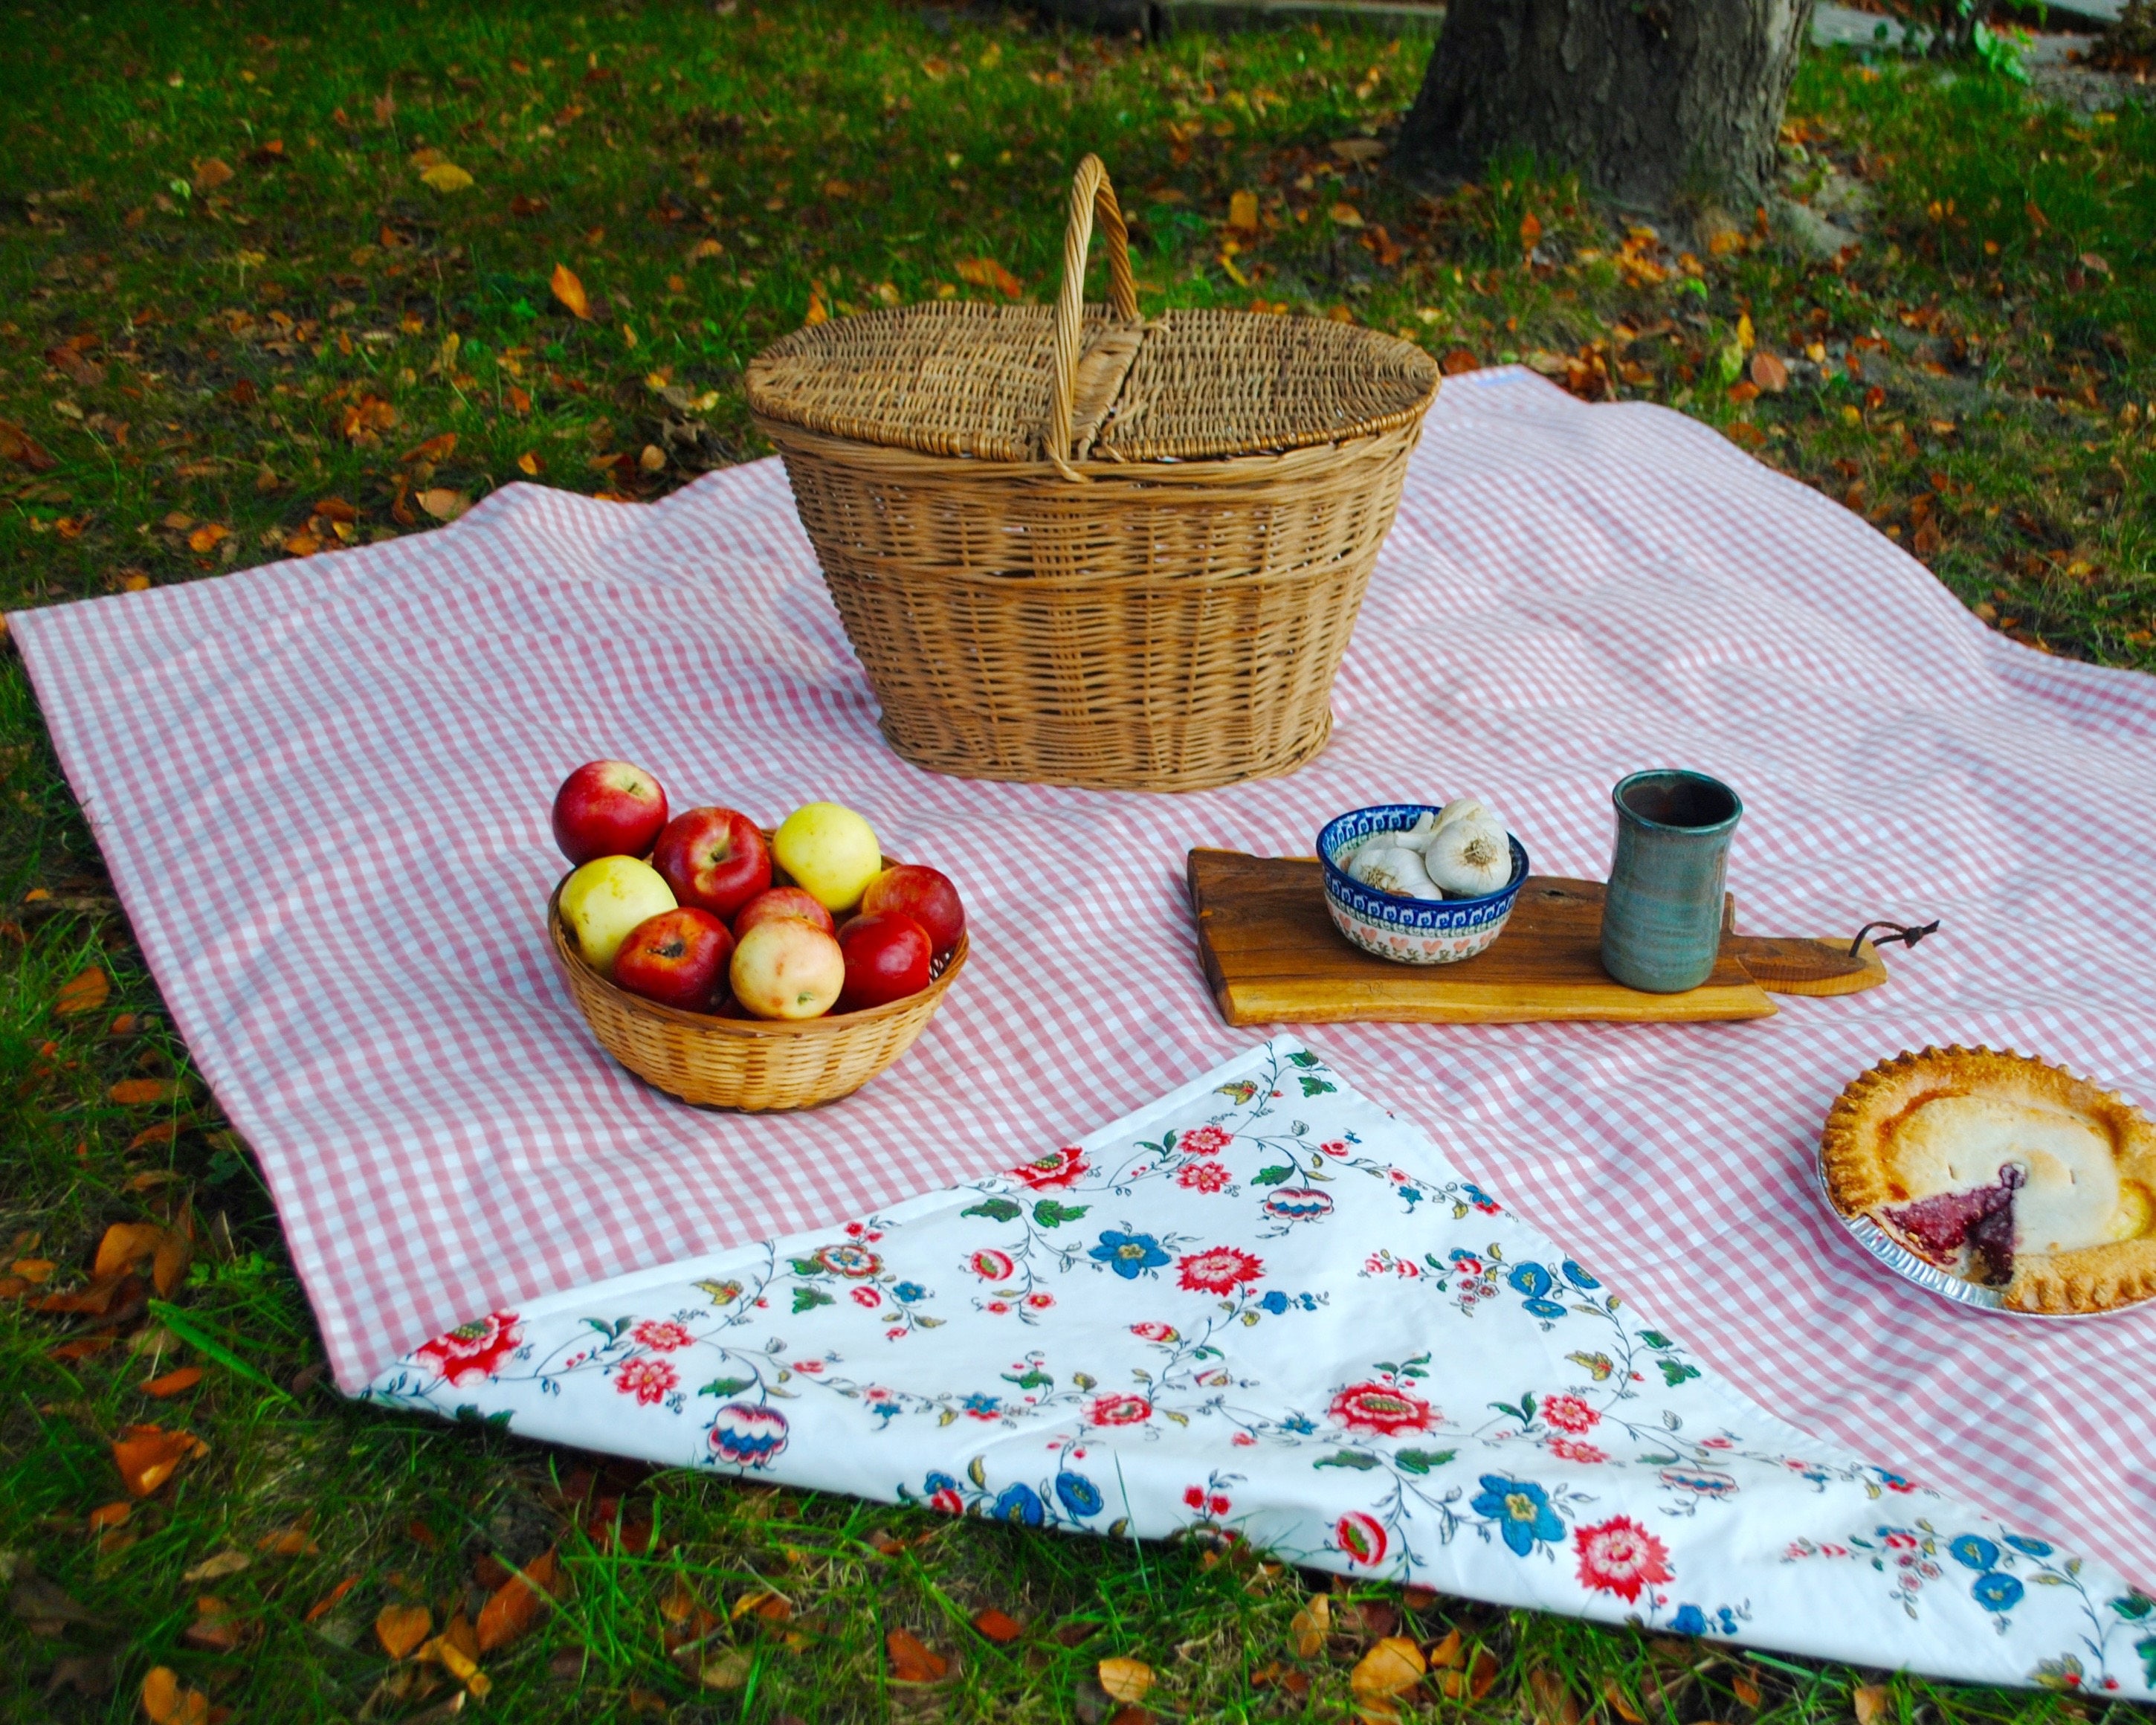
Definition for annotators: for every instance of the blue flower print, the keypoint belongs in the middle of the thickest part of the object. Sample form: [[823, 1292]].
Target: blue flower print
[[1019, 1505], [1521, 1510], [1535, 1283], [938, 1482], [1275, 1302], [1480, 1200], [1301, 1425], [1995, 1592], [981, 1407], [2029, 1547], [1128, 1254], [1689, 1620], [908, 1290], [1973, 1551], [1579, 1277], [1077, 1494]]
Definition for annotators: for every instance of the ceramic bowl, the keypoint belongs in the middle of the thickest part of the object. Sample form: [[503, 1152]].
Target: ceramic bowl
[[1409, 931]]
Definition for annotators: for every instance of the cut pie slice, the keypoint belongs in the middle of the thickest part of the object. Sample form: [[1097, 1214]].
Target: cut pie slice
[[2003, 1170]]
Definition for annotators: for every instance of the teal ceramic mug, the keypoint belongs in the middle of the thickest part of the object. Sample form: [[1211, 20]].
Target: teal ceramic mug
[[1661, 921]]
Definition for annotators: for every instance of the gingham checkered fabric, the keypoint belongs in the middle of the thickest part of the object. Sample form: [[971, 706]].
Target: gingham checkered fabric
[[323, 789]]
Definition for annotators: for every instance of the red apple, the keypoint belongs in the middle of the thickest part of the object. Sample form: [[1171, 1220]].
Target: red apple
[[923, 893], [888, 958], [714, 858], [788, 969], [679, 958], [782, 901], [608, 808]]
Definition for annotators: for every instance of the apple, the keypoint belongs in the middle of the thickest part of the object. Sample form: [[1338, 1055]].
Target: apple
[[888, 958], [830, 852], [782, 901], [604, 900], [787, 968], [714, 858], [678, 957], [924, 893], [608, 808]]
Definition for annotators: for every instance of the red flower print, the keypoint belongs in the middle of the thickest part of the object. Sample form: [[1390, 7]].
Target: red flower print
[[1203, 1176], [1039, 1302], [1119, 1411], [997, 1307], [1217, 1504], [1569, 1413], [1571, 1450], [1620, 1557], [1058, 1167], [1194, 1496], [646, 1379], [1243, 1440], [1219, 1270], [1716, 1443], [854, 1228], [1154, 1332], [1381, 1409], [809, 1366], [654, 1333], [1336, 1147], [948, 1501], [472, 1351], [867, 1296], [1901, 1541], [856, 1262], [1360, 1538], [1204, 1140], [991, 1264]]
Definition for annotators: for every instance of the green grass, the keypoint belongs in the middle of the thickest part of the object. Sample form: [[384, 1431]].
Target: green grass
[[310, 328]]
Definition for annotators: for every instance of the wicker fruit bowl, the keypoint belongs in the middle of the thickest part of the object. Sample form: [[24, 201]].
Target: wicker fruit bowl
[[756, 1064]]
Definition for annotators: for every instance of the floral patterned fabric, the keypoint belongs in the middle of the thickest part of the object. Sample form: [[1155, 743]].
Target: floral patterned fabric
[[1264, 1310]]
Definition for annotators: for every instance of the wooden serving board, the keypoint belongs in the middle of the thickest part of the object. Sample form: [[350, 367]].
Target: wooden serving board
[[1272, 956]]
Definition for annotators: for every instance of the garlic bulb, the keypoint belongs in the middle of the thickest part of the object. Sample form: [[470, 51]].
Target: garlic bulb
[[1417, 838], [1468, 809], [1391, 867], [1470, 858]]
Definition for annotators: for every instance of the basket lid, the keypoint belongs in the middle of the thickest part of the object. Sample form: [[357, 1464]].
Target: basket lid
[[1032, 383]]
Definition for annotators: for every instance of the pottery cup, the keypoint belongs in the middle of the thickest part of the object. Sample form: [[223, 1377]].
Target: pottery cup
[[1661, 921]]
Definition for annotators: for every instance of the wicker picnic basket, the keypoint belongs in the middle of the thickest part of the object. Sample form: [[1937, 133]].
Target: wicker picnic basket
[[756, 1064], [1082, 548]]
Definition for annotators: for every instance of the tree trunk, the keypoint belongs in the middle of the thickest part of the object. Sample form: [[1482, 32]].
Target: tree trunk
[[1666, 104]]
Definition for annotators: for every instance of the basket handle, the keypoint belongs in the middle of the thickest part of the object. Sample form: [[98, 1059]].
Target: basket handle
[[1089, 191]]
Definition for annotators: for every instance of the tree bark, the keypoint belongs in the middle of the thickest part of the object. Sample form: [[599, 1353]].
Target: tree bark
[[1664, 105]]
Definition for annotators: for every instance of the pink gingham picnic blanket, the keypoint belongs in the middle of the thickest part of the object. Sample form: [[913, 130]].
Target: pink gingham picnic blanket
[[323, 788]]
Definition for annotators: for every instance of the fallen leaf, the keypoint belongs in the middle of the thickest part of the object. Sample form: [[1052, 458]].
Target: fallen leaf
[[147, 1455], [33, 1270], [142, 1092], [17, 445], [1125, 1679], [109, 1514], [1531, 231], [216, 1568], [302, 544], [1309, 1626], [998, 1627], [125, 1243], [36, 1600], [206, 536], [515, 1606], [167, 1703], [1446, 1655], [217, 1628], [88, 1674], [436, 448], [1768, 371], [771, 1607], [1482, 1675], [1346, 215], [570, 291], [1870, 1702], [1357, 151], [210, 173], [322, 1607], [704, 248], [83, 1346], [911, 1662], [402, 1628], [1460, 359], [987, 273], [294, 1541], [446, 176], [169, 1268], [443, 503], [162, 1133], [652, 459], [1393, 1665], [1243, 211], [1742, 1686], [86, 991], [1553, 1700], [528, 464]]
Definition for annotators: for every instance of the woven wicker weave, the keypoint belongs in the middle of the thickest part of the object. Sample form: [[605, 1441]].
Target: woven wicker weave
[[756, 1064], [1143, 568]]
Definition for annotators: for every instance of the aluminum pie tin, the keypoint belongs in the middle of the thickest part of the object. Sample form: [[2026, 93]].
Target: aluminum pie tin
[[1943, 1283]]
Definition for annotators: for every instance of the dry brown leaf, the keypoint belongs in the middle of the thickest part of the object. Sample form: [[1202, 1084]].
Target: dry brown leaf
[[1346, 215], [169, 1268], [1621, 1704], [438, 448], [124, 1244], [32, 1271], [1393, 1665], [295, 1542], [528, 464], [446, 176], [1553, 1700], [402, 1628], [704, 248], [1125, 1679], [570, 291], [205, 537], [210, 173], [910, 1662], [147, 1455], [987, 273], [166, 1702], [998, 1627], [729, 1671], [1745, 1689], [443, 503], [86, 991], [16, 444], [1308, 1628], [1871, 1702], [1446, 1655], [1768, 373], [1243, 211], [1482, 1674], [322, 1607], [216, 1568], [142, 1092], [109, 1514], [1531, 231], [515, 1606], [217, 1628]]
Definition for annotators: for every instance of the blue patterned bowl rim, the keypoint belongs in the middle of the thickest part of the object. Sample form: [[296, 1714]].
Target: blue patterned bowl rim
[[1336, 834]]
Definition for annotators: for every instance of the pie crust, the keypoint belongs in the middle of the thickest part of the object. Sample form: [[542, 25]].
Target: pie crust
[[2003, 1170]]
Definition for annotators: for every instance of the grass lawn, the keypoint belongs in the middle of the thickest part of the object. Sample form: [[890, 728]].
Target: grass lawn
[[277, 280]]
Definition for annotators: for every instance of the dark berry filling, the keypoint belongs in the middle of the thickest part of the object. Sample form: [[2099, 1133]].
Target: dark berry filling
[[1981, 1220]]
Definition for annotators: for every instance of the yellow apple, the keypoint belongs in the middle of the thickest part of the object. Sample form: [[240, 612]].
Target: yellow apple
[[830, 852], [607, 898], [787, 968]]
